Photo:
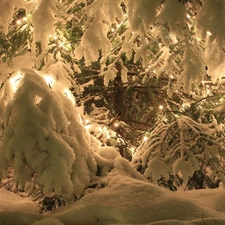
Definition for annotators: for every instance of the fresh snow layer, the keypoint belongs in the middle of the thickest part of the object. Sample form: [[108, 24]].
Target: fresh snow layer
[[123, 200]]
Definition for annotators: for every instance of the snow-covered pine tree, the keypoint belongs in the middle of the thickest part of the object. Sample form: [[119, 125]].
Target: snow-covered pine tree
[[43, 141], [147, 57]]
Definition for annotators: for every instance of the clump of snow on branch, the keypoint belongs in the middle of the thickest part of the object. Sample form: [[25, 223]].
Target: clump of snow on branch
[[6, 12], [95, 36], [194, 65], [43, 20], [173, 14], [210, 27], [142, 14]]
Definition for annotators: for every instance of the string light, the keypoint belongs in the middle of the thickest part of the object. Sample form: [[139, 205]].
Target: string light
[[145, 138], [18, 22], [61, 44], [116, 124], [161, 107]]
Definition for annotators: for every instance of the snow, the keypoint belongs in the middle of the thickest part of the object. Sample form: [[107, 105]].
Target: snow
[[123, 200]]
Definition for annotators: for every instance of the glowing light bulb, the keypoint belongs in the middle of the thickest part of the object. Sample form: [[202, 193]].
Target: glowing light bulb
[[112, 29], [171, 76], [161, 107], [18, 22], [145, 138], [116, 124], [208, 33], [188, 16]]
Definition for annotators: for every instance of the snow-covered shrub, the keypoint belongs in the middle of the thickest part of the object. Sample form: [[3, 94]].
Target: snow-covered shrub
[[43, 139], [182, 149]]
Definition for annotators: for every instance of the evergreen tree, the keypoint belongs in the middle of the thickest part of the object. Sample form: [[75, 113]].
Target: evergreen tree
[[145, 74]]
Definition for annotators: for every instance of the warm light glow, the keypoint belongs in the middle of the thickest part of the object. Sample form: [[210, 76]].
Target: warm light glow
[[112, 29], [87, 127], [132, 149], [49, 80], [188, 16], [15, 81], [145, 138], [87, 121], [116, 124], [161, 107], [24, 18], [18, 22], [208, 33]]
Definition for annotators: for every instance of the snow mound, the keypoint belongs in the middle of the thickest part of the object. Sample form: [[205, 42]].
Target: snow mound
[[125, 200]]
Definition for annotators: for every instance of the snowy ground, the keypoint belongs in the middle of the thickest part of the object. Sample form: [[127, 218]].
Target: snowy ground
[[124, 200]]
